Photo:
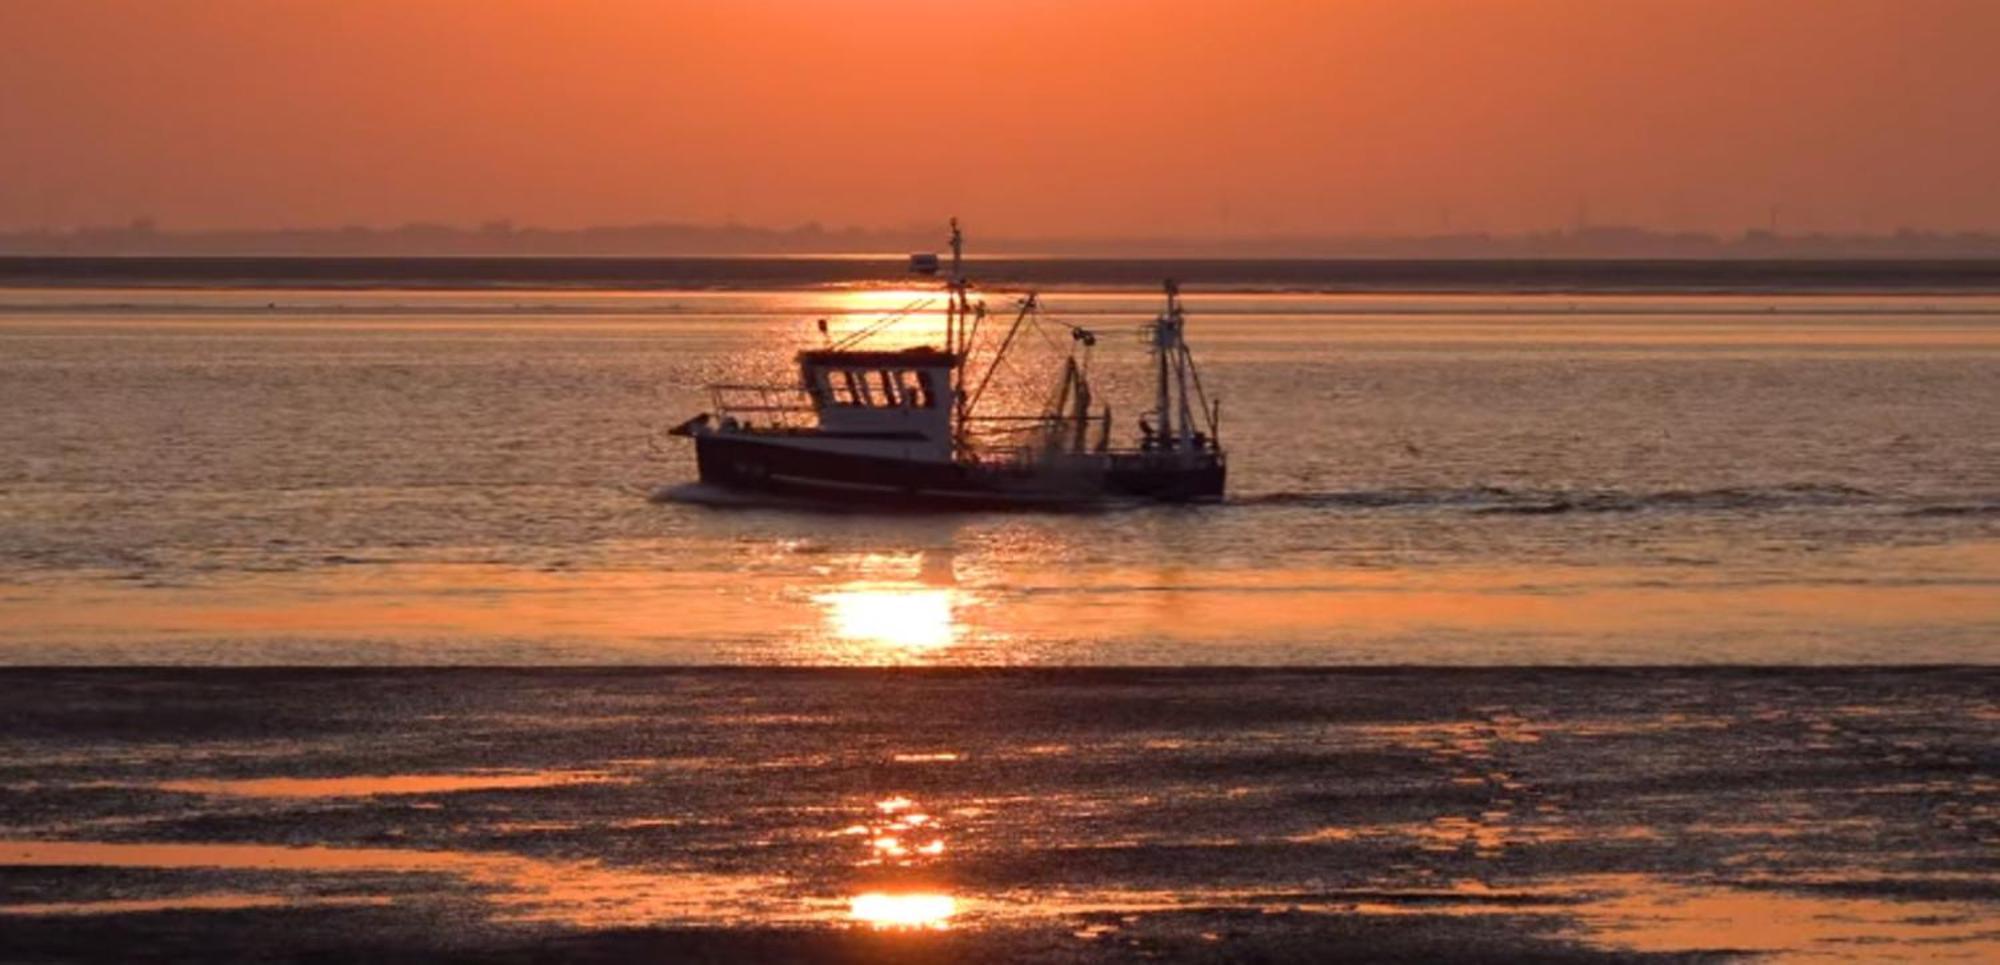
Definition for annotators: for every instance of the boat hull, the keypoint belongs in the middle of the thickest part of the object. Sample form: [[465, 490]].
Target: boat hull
[[748, 463]]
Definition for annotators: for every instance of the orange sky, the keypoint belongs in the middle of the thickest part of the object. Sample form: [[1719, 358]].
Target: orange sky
[[1148, 117]]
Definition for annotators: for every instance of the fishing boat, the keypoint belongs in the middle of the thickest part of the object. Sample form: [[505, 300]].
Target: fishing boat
[[921, 425]]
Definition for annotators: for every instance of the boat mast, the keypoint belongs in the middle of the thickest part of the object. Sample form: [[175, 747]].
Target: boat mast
[[1166, 335], [955, 323], [1184, 419], [1177, 383]]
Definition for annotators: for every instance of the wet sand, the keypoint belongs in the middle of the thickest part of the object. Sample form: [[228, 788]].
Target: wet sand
[[1050, 814]]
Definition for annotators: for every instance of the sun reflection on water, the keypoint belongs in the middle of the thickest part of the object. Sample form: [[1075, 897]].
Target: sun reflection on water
[[901, 878], [912, 910], [892, 616], [919, 315]]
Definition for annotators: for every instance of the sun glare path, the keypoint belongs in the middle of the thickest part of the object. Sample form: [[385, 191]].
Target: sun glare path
[[919, 317], [896, 617], [915, 910]]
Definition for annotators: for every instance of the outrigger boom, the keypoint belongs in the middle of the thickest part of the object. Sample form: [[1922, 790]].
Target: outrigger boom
[[906, 426]]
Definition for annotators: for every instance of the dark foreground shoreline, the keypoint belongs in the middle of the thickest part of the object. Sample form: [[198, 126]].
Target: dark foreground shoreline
[[737, 814], [362, 937]]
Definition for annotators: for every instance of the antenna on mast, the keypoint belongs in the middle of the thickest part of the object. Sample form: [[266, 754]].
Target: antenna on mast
[[957, 325], [957, 254], [1177, 384]]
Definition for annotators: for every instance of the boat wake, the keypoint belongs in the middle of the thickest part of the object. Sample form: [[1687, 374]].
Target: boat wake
[[1501, 500], [1958, 509], [712, 496], [722, 497], [1474, 500]]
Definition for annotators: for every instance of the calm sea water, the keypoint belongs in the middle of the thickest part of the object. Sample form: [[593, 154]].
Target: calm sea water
[[227, 475]]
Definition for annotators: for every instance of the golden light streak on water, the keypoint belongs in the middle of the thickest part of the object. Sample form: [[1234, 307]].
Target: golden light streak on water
[[384, 785], [911, 910], [918, 314], [895, 617]]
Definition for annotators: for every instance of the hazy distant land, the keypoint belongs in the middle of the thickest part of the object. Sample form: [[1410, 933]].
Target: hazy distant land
[[504, 238]]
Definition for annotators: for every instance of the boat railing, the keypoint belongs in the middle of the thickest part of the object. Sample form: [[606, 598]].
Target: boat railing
[[1067, 431], [1008, 458], [1034, 457], [1139, 457], [787, 406]]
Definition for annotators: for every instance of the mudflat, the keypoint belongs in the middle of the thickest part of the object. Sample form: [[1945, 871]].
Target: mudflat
[[969, 814]]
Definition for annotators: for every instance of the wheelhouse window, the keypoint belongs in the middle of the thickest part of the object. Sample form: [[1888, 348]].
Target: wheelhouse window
[[871, 388], [856, 388]]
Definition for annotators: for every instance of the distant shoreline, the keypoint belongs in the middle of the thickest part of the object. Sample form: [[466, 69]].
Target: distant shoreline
[[766, 272], [1075, 674]]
